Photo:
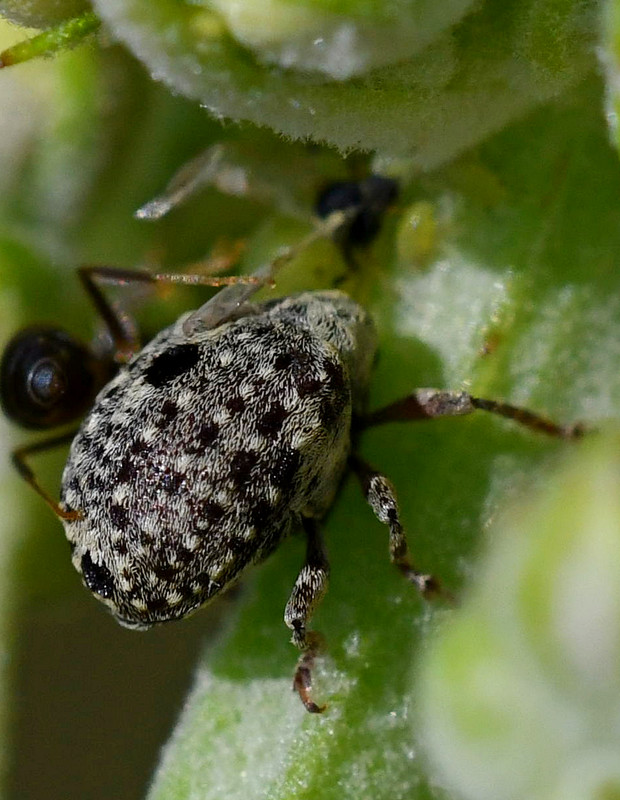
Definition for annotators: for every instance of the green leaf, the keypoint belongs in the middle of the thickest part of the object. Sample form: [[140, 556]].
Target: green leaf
[[610, 57], [519, 696], [337, 38], [497, 272], [490, 69], [41, 13], [512, 299]]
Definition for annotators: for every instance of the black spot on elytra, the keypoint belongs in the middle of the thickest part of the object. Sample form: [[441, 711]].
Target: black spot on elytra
[[120, 547], [206, 437], [211, 512], [139, 447], [166, 572], [335, 375], [271, 421], [307, 384], [236, 544], [285, 467], [109, 394], [97, 451], [300, 366], [260, 513], [157, 604], [97, 577], [94, 482], [283, 361], [167, 414], [328, 414], [172, 363], [127, 470], [171, 482], [304, 375], [235, 404], [118, 516], [146, 540], [241, 464], [203, 579], [183, 555]]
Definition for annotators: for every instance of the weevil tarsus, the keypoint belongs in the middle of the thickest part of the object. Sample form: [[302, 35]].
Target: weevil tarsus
[[309, 589], [380, 495]]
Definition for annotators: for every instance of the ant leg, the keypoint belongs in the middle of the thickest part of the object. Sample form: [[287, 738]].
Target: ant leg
[[120, 325], [426, 404], [381, 496], [232, 302], [189, 179], [223, 256], [232, 169], [310, 586], [19, 457]]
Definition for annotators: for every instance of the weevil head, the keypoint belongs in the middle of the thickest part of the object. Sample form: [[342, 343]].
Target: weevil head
[[47, 378]]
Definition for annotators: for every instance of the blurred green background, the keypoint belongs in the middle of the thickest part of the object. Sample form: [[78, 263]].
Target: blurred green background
[[496, 273]]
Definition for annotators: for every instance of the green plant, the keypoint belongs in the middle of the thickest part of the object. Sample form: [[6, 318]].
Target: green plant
[[497, 274]]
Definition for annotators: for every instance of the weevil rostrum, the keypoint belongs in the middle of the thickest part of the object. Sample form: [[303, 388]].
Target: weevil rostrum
[[211, 444]]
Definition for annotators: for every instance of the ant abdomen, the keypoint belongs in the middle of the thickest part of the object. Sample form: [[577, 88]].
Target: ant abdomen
[[47, 378]]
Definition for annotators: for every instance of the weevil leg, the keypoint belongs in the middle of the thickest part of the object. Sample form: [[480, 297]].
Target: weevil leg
[[19, 457], [426, 404], [381, 496], [310, 586]]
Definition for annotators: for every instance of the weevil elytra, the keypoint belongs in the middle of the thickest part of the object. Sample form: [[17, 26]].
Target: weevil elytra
[[208, 446]]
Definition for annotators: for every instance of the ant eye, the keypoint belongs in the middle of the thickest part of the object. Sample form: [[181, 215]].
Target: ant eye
[[46, 378], [47, 383]]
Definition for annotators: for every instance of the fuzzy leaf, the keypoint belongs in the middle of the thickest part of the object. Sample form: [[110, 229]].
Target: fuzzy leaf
[[503, 293], [493, 67], [520, 694], [41, 13], [497, 272]]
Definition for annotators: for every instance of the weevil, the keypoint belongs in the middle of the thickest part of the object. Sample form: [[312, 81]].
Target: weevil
[[206, 448]]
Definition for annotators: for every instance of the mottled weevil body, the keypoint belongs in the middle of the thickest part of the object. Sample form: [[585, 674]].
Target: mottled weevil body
[[232, 427], [206, 450]]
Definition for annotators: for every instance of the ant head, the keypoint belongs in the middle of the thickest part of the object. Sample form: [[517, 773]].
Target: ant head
[[369, 199], [47, 378]]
